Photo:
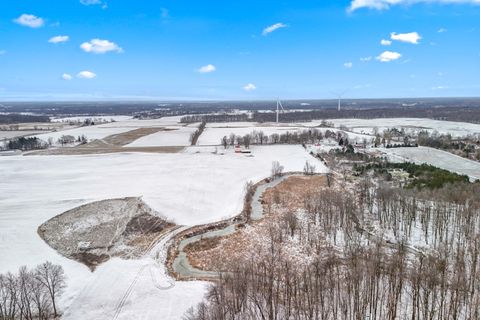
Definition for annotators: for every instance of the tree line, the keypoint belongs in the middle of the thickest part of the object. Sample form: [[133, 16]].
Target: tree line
[[344, 268], [307, 136], [195, 135], [31, 294]]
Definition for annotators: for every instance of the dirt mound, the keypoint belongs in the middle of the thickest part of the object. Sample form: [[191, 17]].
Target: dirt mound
[[95, 232]]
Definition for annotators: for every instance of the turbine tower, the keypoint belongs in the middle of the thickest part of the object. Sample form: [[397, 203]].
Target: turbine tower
[[279, 105], [339, 96]]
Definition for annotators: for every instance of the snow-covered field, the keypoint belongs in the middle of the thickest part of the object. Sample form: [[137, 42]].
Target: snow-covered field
[[214, 132], [12, 134], [104, 130], [213, 136], [437, 158], [91, 132], [191, 188], [456, 129], [178, 136]]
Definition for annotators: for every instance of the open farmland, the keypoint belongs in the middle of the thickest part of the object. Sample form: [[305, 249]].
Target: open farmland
[[456, 129], [179, 186], [188, 185], [173, 136], [437, 158]]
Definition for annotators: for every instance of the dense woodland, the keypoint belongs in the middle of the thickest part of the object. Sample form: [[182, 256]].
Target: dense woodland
[[21, 118], [464, 114], [26, 144], [355, 259], [421, 175]]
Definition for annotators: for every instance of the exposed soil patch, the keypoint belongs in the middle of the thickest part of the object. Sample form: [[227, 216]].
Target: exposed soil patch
[[125, 138], [94, 232], [113, 144], [103, 150]]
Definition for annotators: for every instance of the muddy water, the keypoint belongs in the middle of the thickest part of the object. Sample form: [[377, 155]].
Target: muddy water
[[182, 266]]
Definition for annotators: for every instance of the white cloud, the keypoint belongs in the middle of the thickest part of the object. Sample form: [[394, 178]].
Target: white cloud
[[440, 88], [273, 27], [90, 2], [411, 37], [94, 2], [348, 65], [2, 52], [86, 75], [442, 30], [164, 13], [59, 39], [67, 77], [100, 46], [386, 4], [366, 59], [388, 56], [30, 20], [207, 69], [249, 87], [385, 42]]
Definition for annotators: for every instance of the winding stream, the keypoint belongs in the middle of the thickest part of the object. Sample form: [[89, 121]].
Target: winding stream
[[182, 266]]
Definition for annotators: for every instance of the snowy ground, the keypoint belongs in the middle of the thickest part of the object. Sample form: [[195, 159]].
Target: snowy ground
[[135, 289], [91, 132], [177, 137], [191, 188], [104, 130], [437, 158], [213, 136], [214, 132], [12, 134], [456, 129]]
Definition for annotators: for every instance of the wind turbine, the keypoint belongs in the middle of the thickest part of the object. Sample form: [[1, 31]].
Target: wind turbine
[[279, 105], [339, 96]]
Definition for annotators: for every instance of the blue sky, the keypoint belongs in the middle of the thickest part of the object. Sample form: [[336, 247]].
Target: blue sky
[[147, 49]]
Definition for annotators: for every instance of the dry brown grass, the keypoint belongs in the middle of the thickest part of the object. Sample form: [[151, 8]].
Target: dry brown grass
[[112, 144], [104, 150], [218, 254]]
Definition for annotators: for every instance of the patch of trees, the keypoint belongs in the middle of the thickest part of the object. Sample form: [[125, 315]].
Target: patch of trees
[[423, 175], [276, 171], [209, 118], [342, 271], [403, 145], [195, 135], [66, 140], [26, 144], [307, 136], [21, 118], [466, 147], [308, 169], [31, 294]]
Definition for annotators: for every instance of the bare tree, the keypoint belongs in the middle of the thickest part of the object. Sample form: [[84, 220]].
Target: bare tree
[[308, 169], [277, 170], [53, 278]]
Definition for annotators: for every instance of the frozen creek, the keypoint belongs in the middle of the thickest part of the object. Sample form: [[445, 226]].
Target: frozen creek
[[182, 266]]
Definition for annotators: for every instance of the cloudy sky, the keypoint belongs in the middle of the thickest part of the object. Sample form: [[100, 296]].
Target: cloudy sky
[[251, 49]]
